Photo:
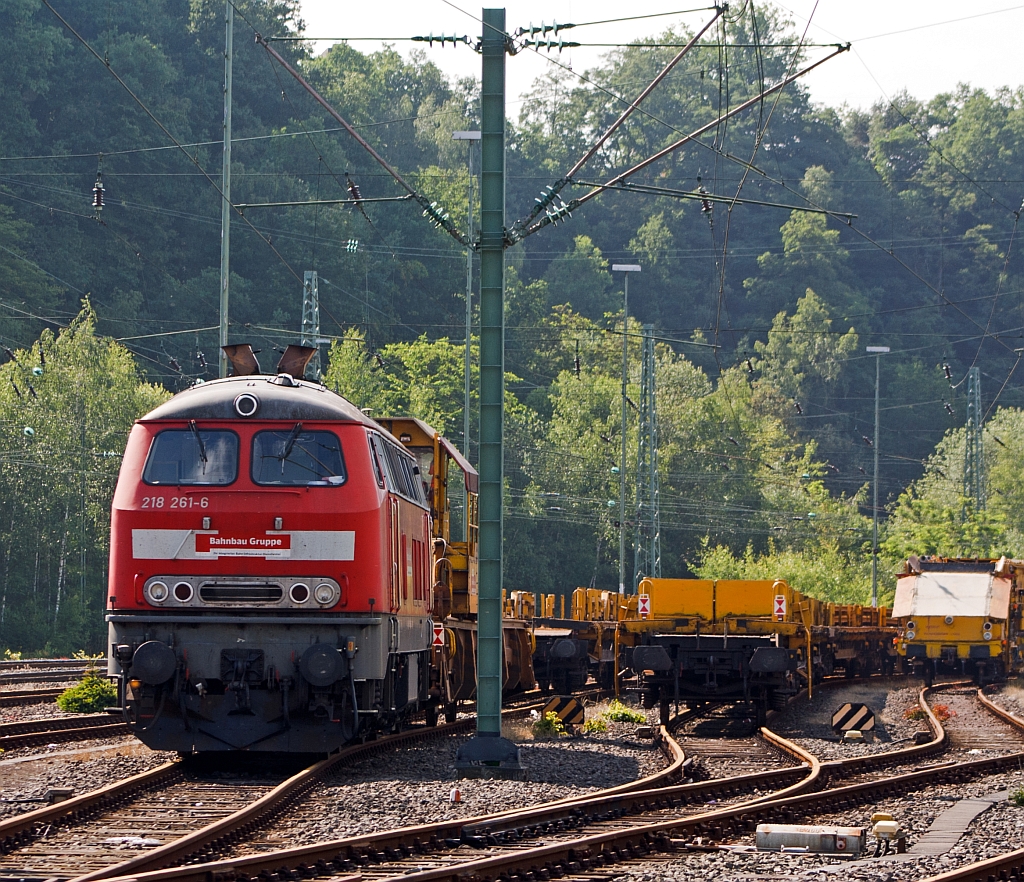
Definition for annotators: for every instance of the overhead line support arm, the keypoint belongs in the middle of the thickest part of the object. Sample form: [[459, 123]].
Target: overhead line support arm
[[569, 207], [429, 209], [554, 190]]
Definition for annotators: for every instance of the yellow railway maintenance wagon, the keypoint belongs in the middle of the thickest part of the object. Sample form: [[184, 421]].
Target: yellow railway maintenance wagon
[[755, 641], [960, 616], [698, 640]]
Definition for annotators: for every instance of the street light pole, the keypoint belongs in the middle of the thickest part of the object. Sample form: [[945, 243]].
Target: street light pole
[[470, 137], [878, 352], [626, 268]]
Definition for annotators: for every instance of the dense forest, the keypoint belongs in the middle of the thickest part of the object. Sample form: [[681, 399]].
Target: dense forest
[[762, 305]]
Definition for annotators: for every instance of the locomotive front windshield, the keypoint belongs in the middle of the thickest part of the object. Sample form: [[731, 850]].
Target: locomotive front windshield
[[296, 457], [192, 456]]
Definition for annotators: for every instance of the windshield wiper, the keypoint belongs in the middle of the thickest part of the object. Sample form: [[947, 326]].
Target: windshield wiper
[[194, 429], [290, 443]]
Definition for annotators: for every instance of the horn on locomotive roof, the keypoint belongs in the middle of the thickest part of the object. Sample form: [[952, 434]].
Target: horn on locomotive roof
[[295, 359], [242, 358]]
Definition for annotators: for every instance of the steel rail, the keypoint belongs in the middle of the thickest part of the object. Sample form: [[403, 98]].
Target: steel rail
[[17, 664], [348, 854], [21, 828], [28, 696], [1001, 867], [645, 794], [1004, 866], [65, 673], [242, 822], [571, 856], [29, 733]]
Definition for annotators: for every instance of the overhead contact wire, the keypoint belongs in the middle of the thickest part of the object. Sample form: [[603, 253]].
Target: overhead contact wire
[[460, 237], [170, 136]]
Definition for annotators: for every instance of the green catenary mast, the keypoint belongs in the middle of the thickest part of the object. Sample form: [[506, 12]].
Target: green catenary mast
[[488, 753]]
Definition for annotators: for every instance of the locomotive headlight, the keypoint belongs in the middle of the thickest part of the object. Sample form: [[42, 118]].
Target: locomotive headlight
[[157, 592], [325, 594], [299, 593], [911, 635], [183, 592], [911, 626], [987, 635], [987, 626]]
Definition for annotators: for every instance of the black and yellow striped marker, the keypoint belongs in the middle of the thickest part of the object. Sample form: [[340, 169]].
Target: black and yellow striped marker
[[566, 708]]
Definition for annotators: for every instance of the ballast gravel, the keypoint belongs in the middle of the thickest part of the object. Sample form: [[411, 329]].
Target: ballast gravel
[[416, 785], [995, 831], [808, 723], [70, 766]]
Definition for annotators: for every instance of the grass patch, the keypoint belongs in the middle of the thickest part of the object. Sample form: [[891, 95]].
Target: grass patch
[[548, 726], [619, 713]]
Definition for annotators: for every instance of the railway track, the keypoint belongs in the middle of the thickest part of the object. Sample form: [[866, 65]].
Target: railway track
[[618, 807], [18, 697], [43, 670], [31, 733], [87, 837], [583, 836]]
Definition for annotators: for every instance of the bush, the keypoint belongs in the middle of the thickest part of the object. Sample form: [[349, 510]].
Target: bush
[[915, 713], [595, 726], [91, 696], [618, 712], [548, 726], [1017, 797]]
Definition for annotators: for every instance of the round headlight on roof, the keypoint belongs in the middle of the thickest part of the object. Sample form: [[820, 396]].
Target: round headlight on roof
[[247, 404], [157, 592]]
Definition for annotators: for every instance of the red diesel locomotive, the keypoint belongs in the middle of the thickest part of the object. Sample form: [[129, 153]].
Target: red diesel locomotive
[[270, 571]]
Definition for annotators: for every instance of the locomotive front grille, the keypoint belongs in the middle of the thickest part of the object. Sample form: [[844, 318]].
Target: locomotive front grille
[[240, 592]]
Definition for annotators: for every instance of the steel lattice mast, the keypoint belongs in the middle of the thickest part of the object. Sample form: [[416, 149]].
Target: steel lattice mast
[[311, 319], [974, 454], [647, 554]]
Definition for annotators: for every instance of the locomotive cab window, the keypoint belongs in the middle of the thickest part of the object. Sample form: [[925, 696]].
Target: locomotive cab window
[[192, 456], [297, 457]]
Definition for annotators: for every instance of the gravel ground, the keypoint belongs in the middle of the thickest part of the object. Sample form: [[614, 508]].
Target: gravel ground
[[41, 710], [809, 723], [415, 786], [1011, 698], [83, 767], [992, 833], [39, 684]]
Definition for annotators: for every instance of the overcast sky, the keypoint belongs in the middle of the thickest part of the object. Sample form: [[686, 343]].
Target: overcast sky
[[925, 47]]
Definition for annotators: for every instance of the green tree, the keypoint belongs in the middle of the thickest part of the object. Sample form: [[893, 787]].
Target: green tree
[[66, 406]]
